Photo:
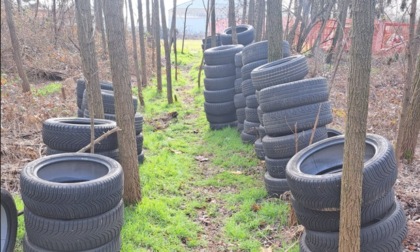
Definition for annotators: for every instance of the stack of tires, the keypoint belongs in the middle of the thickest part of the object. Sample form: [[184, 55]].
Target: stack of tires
[[220, 86], [314, 177], [245, 34], [207, 42], [290, 108], [80, 89], [8, 222], [73, 202], [239, 98]]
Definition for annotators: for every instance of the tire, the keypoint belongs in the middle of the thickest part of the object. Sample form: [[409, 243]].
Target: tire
[[114, 154], [219, 126], [274, 186], [140, 158], [238, 72], [288, 69], [248, 138], [318, 187], [247, 69], [282, 122], [251, 101], [385, 235], [333, 132], [48, 186], [73, 133], [328, 221], [251, 115], [245, 34], [138, 123], [109, 102], [238, 59], [276, 168], [240, 127], [139, 143], [302, 243], [240, 115], [74, 234], [251, 127], [239, 100], [223, 108], [259, 50], [81, 86], [221, 55], [219, 71], [218, 96], [285, 146], [259, 151], [260, 115], [261, 131], [213, 84], [8, 222], [238, 86], [112, 246], [80, 112], [221, 118], [247, 88], [293, 94]]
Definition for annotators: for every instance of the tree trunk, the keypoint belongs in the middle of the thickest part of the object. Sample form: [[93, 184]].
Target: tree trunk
[[304, 30], [99, 22], [136, 60], [185, 25], [243, 21], [274, 30], [251, 12], [232, 21], [408, 75], [286, 32], [157, 44], [148, 26], [167, 54], [19, 4], [174, 36], [354, 145], [124, 107], [298, 18], [343, 5], [88, 56], [16, 46], [36, 8], [260, 20], [208, 13], [54, 12], [213, 23], [143, 62]]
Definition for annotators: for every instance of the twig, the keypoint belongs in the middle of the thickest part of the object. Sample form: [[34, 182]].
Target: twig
[[75, 45], [315, 125], [97, 140], [336, 65]]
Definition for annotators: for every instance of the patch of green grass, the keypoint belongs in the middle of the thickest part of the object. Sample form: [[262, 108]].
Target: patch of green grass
[[48, 89]]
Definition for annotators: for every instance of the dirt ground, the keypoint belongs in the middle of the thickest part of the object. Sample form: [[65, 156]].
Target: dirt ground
[[22, 117]]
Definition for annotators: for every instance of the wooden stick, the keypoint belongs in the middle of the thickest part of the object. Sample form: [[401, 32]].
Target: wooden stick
[[315, 125], [97, 140]]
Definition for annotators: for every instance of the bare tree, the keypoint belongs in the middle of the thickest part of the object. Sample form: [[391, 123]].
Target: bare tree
[[298, 17], [173, 38], [143, 62], [260, 20], [274, 30], [167, 53], [19, 4], [124, 107], [232, 21], [148, 26], [185, 24], [99, 23], [136, 60], [88, 56], [213, 22], [244, 12], [36, 8], [251, 12], [208, 14], [54, 12], [354, 145], [16, 47], [343, 5], [157, 41]]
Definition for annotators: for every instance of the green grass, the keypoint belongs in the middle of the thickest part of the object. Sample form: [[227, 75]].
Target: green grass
[[48, 89]]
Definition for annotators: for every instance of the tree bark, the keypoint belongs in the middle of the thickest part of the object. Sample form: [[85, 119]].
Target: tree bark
[[143, 62], [260, 20], [36, 8], [298, 18], [251, 12], [232, 21], [354, 145], [148, 26], [213, 23], [16, 47], [167, 54], [343, 5], [124, 107], [19, 4], [99, 22], [185, 25], [243, 21], [157, 44], [54, 12], [136, 60], [88, 56], [174, 36], [274, 30]]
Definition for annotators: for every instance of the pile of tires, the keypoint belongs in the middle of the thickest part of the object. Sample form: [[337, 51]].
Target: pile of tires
[[80, 89], [73, 202], [220, 86], [314, 176], [239, 98], [245, 34], [290, 107], [8, 222], [207, 42]]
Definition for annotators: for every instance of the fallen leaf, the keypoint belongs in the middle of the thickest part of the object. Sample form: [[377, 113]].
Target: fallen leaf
[[255, 207], [201, 158]]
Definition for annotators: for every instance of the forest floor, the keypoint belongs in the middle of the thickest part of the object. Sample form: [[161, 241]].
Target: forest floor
[[21, 141]]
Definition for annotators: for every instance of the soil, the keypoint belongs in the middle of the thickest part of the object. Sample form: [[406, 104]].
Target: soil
[[21, 140]]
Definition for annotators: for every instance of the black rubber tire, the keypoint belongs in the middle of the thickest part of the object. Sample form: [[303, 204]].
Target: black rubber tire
[[275, 186], [238, 59], [245, 35], [81, 86], [251, 101], [112, 246], [238, 72], [219, 126], [240, 115], [251, 115], [223, 108], [73, 133], [218, 96], [239, 100], [333, 132], [385, 235], [259, 50], [328, 221], [221, 118], [318, 186], [288, 69], [140, 158], [248, 138], [114, 154], [80, 112], [219, 71], [138, 123], [213, 84], [8, 222], [248, 68], [261, 131], [139, 143], [109, 102], [283, 122], [293, 94], [240, 127], [260, 115], [221, 55], [74, 234], [251, 128], [238, 86], [48, 190], [302, 243], [259, 151], [285, 146], [276, 167], [247, 88]]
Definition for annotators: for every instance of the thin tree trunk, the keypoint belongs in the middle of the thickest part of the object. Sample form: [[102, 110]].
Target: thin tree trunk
[[157, 44], [185, 25], [208, 13], [16, 47], [151, 37], [303, 25], [274, 30], [99, 23], [88, 56], [338, 35], [54, 12], [19, 4], [251, 12], [213, 23], [143, 62], [136, 60], [148, 26], [354, 145], [174, 35], [244, 12], [36, 8], [260, 20], [124, 107], [232, 23], [298, 18], [167, 53], [286, 32]]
